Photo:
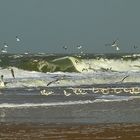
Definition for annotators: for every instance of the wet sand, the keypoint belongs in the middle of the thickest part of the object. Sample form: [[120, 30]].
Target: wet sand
[[69, 131]]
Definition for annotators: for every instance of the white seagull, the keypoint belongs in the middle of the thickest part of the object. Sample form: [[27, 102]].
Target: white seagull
[[115, 44], [4, 50], [79, 47], [17, 39], [66, 94], [5, 45], [44, 92], [65, 47]]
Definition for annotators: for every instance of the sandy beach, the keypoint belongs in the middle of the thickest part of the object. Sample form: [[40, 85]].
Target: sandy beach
[[69, 131]]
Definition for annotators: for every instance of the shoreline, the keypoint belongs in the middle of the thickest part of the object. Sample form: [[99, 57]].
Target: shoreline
[[38, 131]]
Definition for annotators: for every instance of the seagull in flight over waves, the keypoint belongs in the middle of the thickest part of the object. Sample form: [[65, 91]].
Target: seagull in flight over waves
[[12, 72], [17, 39], [5, 45], [56, 80], [135, 47], [114, 44], [3, 50], [79, 47], [65, 47], [123, 79]]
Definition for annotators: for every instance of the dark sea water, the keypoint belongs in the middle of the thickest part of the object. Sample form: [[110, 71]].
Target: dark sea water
[[64, 89]]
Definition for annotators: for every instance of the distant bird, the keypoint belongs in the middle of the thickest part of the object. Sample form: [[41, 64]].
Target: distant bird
[[5, 45], [12, 72], [56, 80], [44, 92], [17, 39], [65, 47], [79, 46], [27, 52], [3, 50], [2, 84], [66, 94], [114, 44], [135, 47], [124, 78]]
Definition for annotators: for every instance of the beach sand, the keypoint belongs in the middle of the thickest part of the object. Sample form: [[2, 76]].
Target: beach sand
[[36, 131]]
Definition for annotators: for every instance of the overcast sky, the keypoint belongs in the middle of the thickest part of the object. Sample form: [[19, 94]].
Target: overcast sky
[[47, 25]]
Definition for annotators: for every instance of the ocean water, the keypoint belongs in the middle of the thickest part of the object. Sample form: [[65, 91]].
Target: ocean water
[[52, 88]]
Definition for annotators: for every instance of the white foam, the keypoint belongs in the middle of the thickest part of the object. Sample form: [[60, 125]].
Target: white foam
[[35, 79], [29, 105]]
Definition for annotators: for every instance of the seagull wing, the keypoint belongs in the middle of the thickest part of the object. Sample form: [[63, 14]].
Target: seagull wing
[[124, 78], [53, 81]]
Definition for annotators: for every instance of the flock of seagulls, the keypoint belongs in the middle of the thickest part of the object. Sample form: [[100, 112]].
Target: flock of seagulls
[[5, 45], [4, 50], [79, 91], [114, 44]]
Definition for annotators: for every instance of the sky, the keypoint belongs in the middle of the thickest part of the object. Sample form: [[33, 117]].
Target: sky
[[47, 25]]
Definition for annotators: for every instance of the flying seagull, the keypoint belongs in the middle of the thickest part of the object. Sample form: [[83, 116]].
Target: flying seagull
[[114, 44], [79, 46], [3, 50], [135, 47], [17, 39], [5, 45], [65, 47], [124, 78], [12, 72], [2, 82], [54, 81]]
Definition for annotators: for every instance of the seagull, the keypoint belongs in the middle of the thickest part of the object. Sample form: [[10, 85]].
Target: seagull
[[4, 50], [44, 92], [79, 47], [124, 78], [66, 94], [135, 47], [17, 39], [2, 84], [65, 47], [12, 72], [5, 45], [114, 44], [56, 80]]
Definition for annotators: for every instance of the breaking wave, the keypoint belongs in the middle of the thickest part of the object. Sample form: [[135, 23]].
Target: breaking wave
[[73, 63]]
